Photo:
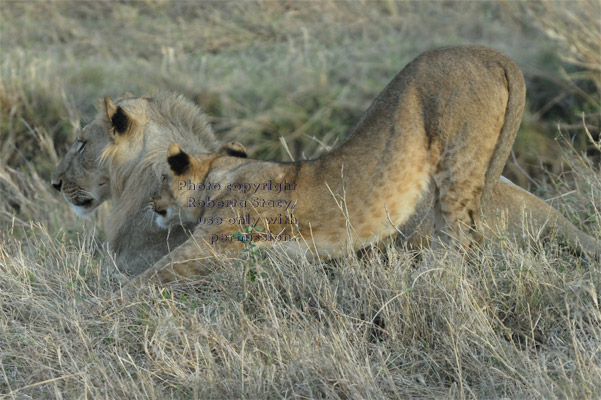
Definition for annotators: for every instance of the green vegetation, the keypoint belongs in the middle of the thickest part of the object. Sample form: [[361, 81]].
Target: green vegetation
[[510, 323]]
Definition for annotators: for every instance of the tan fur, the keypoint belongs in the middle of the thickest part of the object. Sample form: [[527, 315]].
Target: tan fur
[[449, 117], [130, 179]]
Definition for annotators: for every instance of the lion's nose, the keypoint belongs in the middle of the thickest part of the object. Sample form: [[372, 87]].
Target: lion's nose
[[57, 185]]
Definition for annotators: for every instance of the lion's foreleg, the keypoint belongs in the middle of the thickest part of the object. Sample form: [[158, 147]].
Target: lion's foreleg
[[194, 257]]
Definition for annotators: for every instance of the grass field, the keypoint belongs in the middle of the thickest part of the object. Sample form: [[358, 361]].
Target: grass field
[[512, 323]]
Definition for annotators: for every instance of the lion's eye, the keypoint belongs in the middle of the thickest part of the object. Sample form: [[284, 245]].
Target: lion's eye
[[82, 144]]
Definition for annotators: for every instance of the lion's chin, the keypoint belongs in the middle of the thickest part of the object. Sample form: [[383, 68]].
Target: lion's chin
[[83, 211], [161, 222], [84, 208]]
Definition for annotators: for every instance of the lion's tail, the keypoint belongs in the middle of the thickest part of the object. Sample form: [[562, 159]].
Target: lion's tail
[[542, 216], [513, 117], [575, 238]]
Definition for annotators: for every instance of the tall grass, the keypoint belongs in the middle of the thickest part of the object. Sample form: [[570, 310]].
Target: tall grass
[[508, 323]]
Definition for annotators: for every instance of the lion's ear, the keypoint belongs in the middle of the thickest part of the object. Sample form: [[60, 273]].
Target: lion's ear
[[109, 107], [118, 118], [233, 149], [173, 149], [178, 160]]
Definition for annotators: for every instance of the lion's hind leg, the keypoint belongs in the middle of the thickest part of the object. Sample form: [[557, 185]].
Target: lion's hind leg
[[457, 205]]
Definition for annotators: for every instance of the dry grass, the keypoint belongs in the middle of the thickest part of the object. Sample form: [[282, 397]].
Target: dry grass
[[511, 323]]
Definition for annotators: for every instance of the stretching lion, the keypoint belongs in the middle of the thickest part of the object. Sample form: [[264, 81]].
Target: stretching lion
[[449, 117], [515, 213]]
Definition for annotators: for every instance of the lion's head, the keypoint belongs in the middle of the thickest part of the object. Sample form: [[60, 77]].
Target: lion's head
[[164, 205], [90, 173], [171, 203], [81, 177], [139, 131]]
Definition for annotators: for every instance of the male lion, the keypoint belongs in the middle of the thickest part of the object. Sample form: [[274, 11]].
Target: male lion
[[450, 117], [86, 181]]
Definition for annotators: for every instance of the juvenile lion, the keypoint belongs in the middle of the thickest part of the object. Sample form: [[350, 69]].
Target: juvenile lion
[[450, 117], [514, 213]]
